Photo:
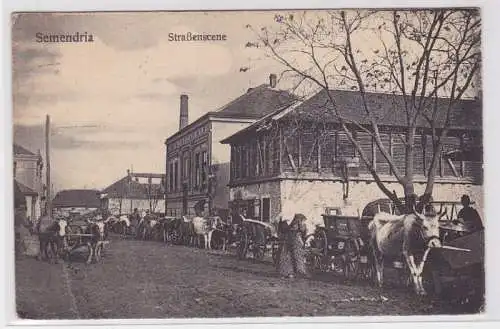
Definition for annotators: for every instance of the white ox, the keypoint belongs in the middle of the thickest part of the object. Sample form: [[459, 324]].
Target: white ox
[[409, 235], [204, 227]]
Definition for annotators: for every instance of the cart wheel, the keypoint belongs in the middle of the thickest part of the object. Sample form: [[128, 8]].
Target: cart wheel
[[321, 241], [351, 260], [243, 244]]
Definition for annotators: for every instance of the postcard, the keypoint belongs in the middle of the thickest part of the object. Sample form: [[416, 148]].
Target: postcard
[[248, 164]]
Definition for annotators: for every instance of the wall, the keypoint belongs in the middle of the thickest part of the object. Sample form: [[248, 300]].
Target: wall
[[128, 204], [311, 198], [259, 191]]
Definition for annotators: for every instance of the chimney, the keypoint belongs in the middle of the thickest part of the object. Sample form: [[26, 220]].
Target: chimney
[[272, 80], [183, 118]]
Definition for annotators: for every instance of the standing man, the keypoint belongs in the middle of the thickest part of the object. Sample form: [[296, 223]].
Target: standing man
[[469, 216]]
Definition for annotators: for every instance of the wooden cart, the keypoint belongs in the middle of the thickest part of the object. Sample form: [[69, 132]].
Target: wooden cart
[[257, 238], [341, 246]]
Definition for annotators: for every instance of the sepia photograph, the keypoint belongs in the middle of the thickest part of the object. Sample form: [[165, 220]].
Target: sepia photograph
[[248, 164]]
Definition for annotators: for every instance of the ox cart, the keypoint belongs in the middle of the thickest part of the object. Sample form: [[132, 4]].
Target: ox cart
[[76, 238], [257, 238], [341, 246]]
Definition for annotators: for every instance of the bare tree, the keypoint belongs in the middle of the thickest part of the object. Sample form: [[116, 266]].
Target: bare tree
[[417, 54]]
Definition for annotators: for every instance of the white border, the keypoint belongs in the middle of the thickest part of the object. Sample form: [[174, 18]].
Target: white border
[[490, 116]]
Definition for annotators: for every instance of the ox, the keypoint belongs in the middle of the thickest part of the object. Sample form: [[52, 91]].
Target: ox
[[122, 224], [411, 235], [52, 236], [95, 242], [204, 227]]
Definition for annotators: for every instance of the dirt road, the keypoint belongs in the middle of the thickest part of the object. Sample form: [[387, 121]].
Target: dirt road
[[138, 279]]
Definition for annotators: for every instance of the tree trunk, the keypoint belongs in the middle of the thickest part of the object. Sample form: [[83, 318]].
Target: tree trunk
[[408, 188]]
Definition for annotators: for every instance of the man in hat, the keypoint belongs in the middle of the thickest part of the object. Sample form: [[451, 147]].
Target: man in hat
[[469, 216]]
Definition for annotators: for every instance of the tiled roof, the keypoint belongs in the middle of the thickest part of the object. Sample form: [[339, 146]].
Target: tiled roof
[[19, 150], [387, 108], [128, 188], [256, 103], [77, 198]]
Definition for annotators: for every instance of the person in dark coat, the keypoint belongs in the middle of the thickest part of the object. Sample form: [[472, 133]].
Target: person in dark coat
[[469, 216], [291, 254]]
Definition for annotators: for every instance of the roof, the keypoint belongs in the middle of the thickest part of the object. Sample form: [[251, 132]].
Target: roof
[[25, 190], [19, 150], [77, 199], [254, 104], [128, 188], [467, 114]]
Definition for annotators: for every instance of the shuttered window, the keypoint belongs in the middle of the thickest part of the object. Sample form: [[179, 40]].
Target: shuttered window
[[382, 165], [365, 142], [399, 152], [327, 142], [309, 150]]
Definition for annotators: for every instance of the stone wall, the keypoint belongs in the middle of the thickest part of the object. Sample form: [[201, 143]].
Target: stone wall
[[311, 198]]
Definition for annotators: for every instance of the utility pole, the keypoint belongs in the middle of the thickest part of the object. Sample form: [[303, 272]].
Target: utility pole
[[47, 159]]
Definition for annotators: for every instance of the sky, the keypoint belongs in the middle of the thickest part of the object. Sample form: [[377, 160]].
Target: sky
[[113, 102]]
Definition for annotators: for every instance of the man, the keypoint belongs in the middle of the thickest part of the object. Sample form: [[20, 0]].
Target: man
[[22, 229], [469, 216]]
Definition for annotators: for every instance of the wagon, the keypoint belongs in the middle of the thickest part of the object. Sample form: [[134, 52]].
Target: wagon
[[457, 273], [341, 246], [257, 238]]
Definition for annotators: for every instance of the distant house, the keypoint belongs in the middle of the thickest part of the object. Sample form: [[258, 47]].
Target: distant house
[[76, 201], [197, 164], [28, 168], [136, 190]]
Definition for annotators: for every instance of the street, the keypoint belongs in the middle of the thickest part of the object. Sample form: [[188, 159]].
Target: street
[[146, 279]]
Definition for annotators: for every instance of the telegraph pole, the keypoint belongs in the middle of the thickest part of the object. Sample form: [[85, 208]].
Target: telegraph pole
[[47, 159]]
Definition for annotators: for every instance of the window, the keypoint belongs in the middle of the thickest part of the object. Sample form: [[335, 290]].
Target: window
[[204, 168], [171, 177], [15, 168], [197, 170], [176, 175]]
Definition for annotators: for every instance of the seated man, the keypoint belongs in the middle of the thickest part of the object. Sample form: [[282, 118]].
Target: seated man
[[469, 216]]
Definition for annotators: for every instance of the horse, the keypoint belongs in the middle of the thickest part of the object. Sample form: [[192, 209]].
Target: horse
[[52, 237]]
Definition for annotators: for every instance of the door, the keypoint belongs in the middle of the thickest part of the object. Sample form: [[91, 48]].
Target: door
[[266, 209]]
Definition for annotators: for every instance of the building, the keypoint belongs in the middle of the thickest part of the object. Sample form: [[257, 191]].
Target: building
[[197, 164], [28, 180], [136, 190], [299, 159], [77, 202]]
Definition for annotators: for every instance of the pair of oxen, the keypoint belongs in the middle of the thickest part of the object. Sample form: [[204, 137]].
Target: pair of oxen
[[53, 234]]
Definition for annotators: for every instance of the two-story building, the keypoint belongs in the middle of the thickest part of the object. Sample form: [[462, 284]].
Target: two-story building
[[299, 160], [197, 164], [28, 180], [144, 191]]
